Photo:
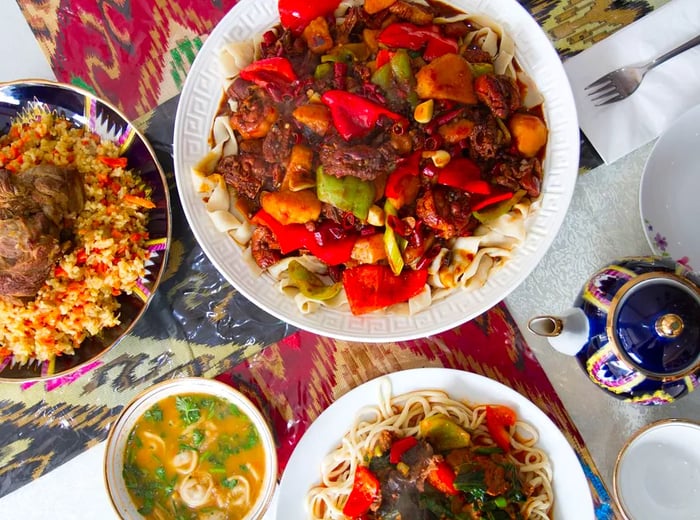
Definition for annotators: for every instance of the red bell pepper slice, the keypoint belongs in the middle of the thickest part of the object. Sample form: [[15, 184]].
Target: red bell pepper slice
[[291, 237], [112, 162], [406, 35], [370, 287], [442, 478], [461, 173], [365, 490], [400, 447], [438, 46], [491, 199], [498, 419], [383, 57], [295, 15], [403, 184], [354, 116], [268, 71]]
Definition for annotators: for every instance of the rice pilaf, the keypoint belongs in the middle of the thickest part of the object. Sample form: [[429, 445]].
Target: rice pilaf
[[107, 253]]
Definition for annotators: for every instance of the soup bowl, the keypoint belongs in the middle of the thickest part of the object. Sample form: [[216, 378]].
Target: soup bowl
[[222, 455]]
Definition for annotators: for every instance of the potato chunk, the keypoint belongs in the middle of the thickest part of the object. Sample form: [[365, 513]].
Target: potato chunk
[[374, 6], [529, 133], [446, 77], [314, 116], [292, 207]]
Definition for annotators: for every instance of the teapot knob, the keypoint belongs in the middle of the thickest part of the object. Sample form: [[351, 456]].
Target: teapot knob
[[669, 325]]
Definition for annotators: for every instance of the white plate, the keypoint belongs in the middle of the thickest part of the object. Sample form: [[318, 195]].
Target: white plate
[[668, 194], [200, 100], [657, 474], [572, 498]]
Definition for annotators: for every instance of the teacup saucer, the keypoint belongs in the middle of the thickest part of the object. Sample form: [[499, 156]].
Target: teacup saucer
[[668, 193], [657, 473]]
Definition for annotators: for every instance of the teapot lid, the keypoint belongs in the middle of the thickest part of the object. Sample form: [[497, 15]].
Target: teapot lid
[[655, 325]]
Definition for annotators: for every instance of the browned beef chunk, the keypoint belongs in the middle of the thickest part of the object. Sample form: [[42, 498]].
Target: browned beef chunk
[[364, 161], [239, 89], [351, 19], [413, 13], [401, 492], [486, 139], [240, 172], [264, 247], [477, 56], [499, 93], [255, 116], [248, 173], [519, 173], [445, 210], [34, 206], [278, 143]]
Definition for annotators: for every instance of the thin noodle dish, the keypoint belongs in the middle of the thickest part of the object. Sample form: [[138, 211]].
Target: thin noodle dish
[[375, 155], [425, 455]]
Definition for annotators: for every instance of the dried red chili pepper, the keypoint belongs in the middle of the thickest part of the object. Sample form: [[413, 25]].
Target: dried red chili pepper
[[354, 116]]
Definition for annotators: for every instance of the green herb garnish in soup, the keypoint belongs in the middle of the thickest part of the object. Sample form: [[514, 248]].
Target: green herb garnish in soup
[[193, 455]]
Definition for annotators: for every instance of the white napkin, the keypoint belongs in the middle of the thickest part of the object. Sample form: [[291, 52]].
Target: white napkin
[[665, 93]]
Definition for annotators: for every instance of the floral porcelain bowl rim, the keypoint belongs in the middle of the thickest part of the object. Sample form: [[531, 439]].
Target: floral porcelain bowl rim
[[668, 191]]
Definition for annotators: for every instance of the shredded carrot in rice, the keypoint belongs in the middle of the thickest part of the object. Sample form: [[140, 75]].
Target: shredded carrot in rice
[[107, 255]]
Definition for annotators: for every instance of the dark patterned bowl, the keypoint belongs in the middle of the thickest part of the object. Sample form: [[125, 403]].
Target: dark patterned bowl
[[22, 98]]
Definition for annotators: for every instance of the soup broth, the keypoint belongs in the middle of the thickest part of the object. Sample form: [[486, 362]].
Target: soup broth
[[193, 457]]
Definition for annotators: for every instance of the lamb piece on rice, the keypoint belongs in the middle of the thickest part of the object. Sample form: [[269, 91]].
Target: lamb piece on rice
[[34, 208]]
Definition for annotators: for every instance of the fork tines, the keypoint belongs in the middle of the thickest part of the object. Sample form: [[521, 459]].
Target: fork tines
[[604, 88]]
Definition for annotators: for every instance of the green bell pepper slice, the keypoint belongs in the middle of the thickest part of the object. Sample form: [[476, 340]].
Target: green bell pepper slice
[[345, 193], [393, 244], [310, 284]]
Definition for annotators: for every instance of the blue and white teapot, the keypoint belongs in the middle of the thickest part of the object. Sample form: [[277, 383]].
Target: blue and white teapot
[[635, 329]]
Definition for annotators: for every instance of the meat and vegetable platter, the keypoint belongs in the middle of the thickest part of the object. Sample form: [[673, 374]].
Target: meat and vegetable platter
[[433, 443], [376, 166], [84, 224]]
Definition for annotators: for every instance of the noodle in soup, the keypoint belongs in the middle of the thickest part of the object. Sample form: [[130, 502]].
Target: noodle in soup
[[192, 455]]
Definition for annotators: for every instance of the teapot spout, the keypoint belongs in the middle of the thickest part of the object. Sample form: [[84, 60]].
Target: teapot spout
[[547, 326], [567, 334]]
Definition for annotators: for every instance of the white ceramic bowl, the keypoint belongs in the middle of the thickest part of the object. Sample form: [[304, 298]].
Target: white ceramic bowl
[[200, 100], [116, 441], [657, 472]]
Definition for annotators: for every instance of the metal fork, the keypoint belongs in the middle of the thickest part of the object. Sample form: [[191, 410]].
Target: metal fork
[[620, 83]]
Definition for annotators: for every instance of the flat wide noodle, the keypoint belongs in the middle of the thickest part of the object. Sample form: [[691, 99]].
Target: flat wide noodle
[[471, 259]]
